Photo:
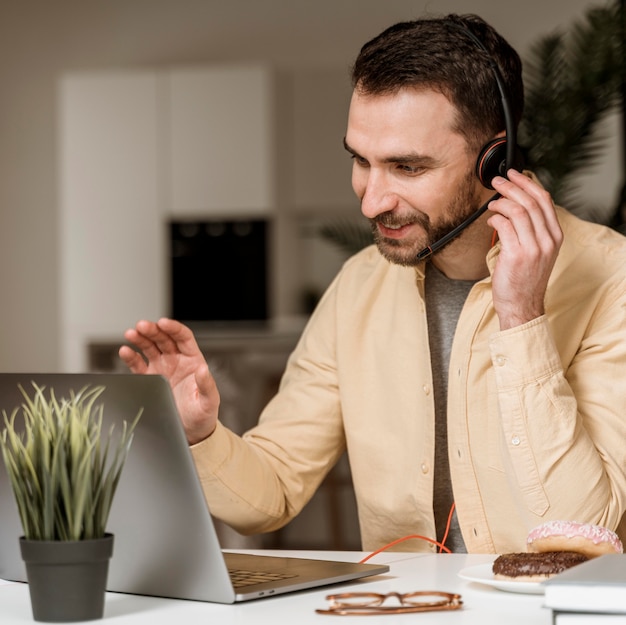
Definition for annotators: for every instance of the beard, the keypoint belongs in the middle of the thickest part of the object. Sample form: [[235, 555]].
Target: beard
[[465, 203]]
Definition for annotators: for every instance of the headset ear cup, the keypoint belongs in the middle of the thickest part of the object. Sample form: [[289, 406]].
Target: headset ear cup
[[491, 161]]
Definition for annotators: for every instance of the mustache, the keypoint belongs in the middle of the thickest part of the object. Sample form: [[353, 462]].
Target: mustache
[[391, 220]]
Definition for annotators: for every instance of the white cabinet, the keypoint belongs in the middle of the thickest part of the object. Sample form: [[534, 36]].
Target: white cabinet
[[220, 140], [322, 167], [112, 250], [136, 149]]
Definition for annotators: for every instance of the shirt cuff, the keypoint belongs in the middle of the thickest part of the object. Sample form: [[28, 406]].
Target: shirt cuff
[[524, 354], [209, 454]]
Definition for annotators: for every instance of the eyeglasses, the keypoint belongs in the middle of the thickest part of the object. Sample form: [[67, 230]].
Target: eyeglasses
[[363, 603]]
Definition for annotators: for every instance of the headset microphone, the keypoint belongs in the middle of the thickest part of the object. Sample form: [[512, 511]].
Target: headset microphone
[[495, 158], [431, 249]]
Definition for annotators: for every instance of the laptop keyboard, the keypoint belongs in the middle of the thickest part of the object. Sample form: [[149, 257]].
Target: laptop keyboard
[[242, 578]]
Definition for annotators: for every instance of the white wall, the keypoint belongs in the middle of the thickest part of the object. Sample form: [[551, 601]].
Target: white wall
[[41, 40]]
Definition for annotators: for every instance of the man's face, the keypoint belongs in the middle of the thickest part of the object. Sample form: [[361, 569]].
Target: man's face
[[412, 172]]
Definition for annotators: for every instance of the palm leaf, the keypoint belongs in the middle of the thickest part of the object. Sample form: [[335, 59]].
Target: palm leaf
[[572, 81]]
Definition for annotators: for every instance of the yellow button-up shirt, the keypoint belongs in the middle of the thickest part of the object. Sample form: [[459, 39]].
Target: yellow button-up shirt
[[536, 414]]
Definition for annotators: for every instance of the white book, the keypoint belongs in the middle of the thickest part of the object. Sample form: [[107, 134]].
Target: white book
[[598, 585], [588, 618]]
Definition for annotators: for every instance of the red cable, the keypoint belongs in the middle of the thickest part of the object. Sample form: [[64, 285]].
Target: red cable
[[441, 545], [448, 523]]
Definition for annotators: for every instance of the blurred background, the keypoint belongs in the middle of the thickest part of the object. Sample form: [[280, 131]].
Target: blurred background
[[133, 133]]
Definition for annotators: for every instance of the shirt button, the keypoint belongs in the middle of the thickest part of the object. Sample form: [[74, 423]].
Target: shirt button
[[426, 389], [515, 441], [424, 467], [500, 361]]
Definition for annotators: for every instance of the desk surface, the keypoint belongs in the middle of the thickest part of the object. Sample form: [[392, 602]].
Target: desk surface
[[482, 604]]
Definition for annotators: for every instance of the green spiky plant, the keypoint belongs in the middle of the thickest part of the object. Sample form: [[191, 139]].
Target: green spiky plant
[[63, 472]]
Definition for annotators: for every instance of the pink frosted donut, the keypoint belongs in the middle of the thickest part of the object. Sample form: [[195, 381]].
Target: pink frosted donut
[[590, 540]]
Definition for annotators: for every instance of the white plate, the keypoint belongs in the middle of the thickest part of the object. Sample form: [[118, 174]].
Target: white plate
[[483, 574]]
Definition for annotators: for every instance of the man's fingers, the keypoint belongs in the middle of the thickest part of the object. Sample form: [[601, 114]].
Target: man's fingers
[[180, 335], [132, 359]]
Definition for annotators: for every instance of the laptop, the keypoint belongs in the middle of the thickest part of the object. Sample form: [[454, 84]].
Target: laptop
[[165, 542]]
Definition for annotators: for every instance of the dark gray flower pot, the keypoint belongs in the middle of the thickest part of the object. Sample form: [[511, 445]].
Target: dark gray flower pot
[[67, 579]]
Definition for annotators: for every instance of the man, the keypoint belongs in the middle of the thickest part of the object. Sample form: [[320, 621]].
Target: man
[[487, 379]]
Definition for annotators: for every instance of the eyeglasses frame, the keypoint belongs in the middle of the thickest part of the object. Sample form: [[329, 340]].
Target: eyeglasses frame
[[449, 601]]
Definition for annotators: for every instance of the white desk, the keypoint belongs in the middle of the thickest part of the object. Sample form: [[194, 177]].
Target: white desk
[[482, 605]]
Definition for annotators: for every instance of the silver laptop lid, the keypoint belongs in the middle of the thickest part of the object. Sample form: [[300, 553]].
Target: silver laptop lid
[[165, 541]]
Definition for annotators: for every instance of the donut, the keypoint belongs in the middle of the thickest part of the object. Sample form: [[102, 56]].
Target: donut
[[534, 567], [590, 540]]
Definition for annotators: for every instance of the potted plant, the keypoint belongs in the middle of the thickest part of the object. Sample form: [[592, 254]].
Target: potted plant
[[64, 472]]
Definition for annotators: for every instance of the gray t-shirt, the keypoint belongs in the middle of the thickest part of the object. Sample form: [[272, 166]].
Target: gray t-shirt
[[444, 301]]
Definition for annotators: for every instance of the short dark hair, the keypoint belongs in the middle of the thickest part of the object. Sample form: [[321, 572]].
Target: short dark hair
[[434, 53]]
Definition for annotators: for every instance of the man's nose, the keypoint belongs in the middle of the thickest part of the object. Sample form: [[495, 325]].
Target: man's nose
[[376, 194]]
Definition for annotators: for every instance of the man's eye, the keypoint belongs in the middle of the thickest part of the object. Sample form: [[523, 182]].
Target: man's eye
[[410, 169], [359, 160]]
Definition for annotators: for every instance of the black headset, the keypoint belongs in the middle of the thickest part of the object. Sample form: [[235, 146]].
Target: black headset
[[495, 158]]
